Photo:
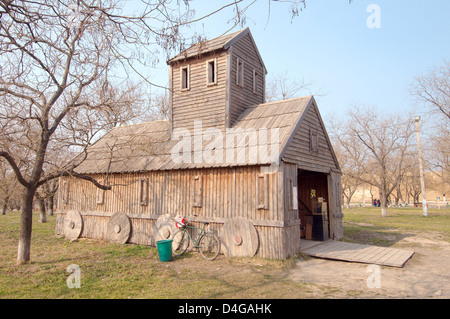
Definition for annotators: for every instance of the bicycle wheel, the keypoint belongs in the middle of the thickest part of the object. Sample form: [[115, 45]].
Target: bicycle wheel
[[209, 246], [180, 242]]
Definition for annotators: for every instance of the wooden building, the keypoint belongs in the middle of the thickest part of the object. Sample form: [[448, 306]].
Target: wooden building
[[254, 170]]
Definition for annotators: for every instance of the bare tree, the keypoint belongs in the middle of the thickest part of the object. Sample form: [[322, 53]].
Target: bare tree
[[160, 106], [349, 186], [412, 182], [350, 154], [384, 141], [437, 155], [281, 87], [9, 187], [434, 89], [53, 56]]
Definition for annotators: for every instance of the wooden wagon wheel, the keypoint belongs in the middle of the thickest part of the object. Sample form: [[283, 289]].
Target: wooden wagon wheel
[[240, 238], [73, 225], [119, 228], [164, 228]]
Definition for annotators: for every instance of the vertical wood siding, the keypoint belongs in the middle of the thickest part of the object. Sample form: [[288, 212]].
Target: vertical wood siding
[[290, 181], [226, 193], [202, 101], [299, 150], [242, 97]]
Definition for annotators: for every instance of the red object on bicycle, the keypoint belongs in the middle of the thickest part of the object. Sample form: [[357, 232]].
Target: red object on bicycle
[[180, 222]]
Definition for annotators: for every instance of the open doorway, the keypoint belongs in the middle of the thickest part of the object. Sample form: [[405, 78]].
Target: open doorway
[[313, 204]]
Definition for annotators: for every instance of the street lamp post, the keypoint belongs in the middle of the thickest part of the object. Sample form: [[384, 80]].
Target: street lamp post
[[422, 180]]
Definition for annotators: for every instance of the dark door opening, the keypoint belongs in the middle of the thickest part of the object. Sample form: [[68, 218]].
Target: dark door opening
[[312, 201]]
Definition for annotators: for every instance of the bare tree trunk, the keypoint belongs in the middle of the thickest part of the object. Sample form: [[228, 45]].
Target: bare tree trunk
[[383, 202], [50, 205], [43, 216], [371, 194], [26, 220], [5, 206], [349, 198]]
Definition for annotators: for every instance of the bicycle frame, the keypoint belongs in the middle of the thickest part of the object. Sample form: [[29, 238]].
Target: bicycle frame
[[197, 240], [206, 241]]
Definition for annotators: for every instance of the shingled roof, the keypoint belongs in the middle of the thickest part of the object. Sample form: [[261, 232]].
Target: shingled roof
[[203, 47], [149, 146]]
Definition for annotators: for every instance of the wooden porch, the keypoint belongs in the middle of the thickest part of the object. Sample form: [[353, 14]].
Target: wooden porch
[[352, 252]]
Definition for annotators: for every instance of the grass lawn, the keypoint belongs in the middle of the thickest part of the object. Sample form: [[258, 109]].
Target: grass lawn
[[365, 225], [127, 271], [134, 271]]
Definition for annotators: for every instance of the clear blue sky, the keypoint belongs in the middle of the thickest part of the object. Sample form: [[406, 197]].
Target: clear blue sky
[[331, 45]]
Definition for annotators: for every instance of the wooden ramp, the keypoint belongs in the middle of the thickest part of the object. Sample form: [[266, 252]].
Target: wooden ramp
[[356, 252]]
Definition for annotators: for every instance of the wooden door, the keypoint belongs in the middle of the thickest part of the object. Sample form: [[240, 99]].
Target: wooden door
[[335, 208]]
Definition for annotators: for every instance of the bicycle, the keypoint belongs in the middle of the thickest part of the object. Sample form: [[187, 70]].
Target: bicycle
[[207, 242]]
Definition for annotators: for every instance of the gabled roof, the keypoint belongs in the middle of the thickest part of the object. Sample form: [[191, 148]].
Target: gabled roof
[[223, 42], [203, 47], [148, 146]]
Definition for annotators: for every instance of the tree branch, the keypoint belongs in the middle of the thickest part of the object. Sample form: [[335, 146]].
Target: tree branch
[[77, 175], [15, 168]]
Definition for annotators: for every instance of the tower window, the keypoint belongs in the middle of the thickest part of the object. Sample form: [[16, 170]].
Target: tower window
[[255, 81], [211, 69], [185, 85], [240, 72]]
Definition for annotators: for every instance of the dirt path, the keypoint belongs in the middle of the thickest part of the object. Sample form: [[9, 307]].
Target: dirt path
[[425, 275]]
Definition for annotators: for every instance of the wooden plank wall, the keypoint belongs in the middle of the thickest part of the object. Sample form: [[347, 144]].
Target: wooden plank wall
[[299, 151], [226, 193], [290, 181], [292, 230], [243, 97], [200, 102], [335, 208]]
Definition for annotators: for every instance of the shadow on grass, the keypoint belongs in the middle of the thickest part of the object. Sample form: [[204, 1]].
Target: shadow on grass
[[373, 235]]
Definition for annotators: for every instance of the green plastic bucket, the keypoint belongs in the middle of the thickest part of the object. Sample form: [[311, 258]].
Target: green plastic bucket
[[164, 249]]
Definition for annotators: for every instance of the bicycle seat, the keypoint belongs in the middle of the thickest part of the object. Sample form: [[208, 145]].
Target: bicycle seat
[[205, 223]]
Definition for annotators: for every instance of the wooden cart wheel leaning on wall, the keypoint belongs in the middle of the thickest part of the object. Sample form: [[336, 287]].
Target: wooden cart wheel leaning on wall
[[119, 228], [73, 225]]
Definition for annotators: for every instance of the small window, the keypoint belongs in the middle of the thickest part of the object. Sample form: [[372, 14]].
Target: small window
[[255, 81], [211, 69], [197, 192], [313, 141], [143, 191], [240, 72], [262, 192], [185, 85]]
